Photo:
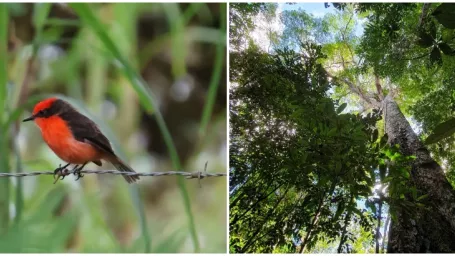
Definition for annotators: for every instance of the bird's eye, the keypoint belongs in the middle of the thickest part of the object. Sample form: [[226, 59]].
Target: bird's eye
[[43, 112]]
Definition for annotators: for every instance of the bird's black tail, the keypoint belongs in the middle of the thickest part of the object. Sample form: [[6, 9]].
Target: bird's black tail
[[121, 166]]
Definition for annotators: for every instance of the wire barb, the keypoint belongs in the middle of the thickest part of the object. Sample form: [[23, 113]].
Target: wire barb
[[199, 175]]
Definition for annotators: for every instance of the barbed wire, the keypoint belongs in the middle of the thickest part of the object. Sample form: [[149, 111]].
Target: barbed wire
[[65, 172]]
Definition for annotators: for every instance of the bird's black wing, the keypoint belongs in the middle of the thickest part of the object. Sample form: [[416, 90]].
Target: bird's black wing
[[84, 129]]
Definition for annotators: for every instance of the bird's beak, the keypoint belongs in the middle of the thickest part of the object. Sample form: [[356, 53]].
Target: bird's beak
[[29, 119]]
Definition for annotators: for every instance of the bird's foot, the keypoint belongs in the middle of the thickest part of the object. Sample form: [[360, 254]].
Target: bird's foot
[[77, 172], [60, 172]]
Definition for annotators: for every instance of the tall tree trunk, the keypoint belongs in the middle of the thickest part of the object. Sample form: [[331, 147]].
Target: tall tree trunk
[[378, 228], [386, 225], [427, 230]]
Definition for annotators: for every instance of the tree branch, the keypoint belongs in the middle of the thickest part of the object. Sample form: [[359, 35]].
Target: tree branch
[[378, 87], [369, 101], [423, 15]]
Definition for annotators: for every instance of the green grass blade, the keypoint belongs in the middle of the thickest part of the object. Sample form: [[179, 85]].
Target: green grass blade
[[190, 12], [157, 44], [3, 59], [143, 219], [4, 148], [206, 35], [146, 99], [172, 11], [40, 13], [152, 49], [216, 75], [171, 243], [19, 185]]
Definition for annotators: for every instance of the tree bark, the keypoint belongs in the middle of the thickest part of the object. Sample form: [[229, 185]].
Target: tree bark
[[425, 9], [386, 225], [431, 229], [378, 228]]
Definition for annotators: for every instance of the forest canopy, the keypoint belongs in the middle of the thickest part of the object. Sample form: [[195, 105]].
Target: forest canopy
[[341, 128]]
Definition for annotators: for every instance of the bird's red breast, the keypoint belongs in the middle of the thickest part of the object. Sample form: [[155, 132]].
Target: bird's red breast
[[58, 136]]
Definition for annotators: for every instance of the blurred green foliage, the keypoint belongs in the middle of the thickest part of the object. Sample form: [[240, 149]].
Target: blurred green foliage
[[153, 77]]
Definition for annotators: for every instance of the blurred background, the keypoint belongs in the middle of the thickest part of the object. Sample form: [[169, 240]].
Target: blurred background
[[119, 64]]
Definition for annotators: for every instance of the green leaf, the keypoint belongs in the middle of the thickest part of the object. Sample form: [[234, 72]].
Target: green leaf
[[373, 207], [332, 132], [445, 14], [341, 108], [432, 29], [425, 40], [357, 211], [394, 216], [420, 205], [445, 48], [384, 140], [420, 198], [441, 131], [338, 166], [395, 156], [435, 56], [40, 13], [375, 135], [388, 179], [413, 192], [339, 211], [382, 171]]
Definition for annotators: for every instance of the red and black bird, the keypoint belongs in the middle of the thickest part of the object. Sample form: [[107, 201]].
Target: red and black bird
[[74, 137]]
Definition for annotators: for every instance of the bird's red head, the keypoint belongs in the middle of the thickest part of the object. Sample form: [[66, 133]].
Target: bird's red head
[[42, 109], [42, 105]]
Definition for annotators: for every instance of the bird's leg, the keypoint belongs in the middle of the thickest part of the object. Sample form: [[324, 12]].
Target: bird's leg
[[74, 169], [77, 171], [60, 168], [63, 176]]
